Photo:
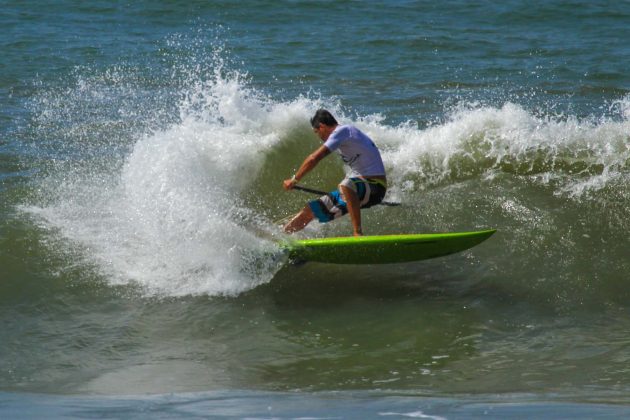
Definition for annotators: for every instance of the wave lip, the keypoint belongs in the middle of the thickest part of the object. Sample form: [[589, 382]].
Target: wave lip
[[579, 156]]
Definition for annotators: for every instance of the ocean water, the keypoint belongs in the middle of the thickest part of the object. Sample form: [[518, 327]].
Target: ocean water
[[142, 150]]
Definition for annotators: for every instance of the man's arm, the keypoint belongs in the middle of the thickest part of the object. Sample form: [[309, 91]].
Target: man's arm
[[309, 163]]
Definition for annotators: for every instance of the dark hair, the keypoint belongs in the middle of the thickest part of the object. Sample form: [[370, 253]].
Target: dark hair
[[322, 116]]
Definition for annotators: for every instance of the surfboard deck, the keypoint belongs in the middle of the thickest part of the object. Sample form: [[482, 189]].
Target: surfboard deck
[[383, 249]]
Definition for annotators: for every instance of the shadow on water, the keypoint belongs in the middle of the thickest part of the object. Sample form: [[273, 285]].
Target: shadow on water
[[315, 284]]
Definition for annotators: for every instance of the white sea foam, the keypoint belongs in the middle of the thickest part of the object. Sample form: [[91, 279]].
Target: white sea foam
[[173, 220], [577, 155]]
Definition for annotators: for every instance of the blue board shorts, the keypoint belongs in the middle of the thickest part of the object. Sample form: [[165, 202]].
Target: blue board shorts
[[328, 207]]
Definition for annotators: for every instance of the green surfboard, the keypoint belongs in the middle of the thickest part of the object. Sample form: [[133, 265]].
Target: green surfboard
[[384, 249]]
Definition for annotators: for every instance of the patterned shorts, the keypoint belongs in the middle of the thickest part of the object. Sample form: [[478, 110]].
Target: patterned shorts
[[370, 191]]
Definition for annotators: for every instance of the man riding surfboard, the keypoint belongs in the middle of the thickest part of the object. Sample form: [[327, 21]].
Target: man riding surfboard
[[363, 187]]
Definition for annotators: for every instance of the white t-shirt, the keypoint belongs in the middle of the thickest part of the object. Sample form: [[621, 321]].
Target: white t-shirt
[[357, 150]]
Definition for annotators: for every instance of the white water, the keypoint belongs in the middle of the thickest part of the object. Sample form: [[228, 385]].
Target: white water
[[580, 156], [173, 220]]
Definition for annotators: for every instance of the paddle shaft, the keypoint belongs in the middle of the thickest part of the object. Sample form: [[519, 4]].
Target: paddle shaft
[[318, 192]]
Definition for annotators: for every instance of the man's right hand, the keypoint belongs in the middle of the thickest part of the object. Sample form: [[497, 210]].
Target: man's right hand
[[288, 184]]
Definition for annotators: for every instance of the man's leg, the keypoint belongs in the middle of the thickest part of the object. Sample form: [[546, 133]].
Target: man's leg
[[354, 208], [300, 220]]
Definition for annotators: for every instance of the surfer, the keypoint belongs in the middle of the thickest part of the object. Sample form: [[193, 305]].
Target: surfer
[[363, 187]]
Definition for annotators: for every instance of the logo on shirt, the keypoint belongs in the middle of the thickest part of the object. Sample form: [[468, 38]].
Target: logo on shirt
[[350, 161]]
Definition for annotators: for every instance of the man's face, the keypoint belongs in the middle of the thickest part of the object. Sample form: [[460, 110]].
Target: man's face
[[323, 131]]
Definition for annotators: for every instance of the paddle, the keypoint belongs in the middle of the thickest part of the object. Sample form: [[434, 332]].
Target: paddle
[[318, 192]]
